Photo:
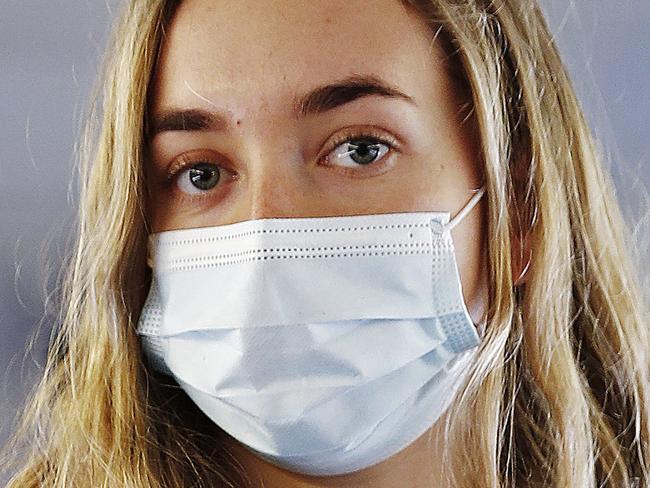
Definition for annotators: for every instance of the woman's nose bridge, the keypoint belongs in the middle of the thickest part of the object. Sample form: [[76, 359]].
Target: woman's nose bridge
[[276, 186]]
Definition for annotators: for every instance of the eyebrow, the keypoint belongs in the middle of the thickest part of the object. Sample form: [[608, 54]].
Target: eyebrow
[[317, 101]]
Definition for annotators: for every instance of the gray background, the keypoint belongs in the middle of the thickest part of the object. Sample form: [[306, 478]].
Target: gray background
[[48, 57]]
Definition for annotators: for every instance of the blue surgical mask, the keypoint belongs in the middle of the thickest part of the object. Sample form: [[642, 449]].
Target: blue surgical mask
[[324, 345]]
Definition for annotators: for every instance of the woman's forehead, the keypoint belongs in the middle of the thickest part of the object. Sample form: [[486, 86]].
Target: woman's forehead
[[221, 48]]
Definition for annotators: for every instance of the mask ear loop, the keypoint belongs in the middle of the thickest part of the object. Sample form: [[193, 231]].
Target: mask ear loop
[[466, 209]]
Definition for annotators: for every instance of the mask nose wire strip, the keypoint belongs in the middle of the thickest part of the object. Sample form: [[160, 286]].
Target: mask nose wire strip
[[466, 209]]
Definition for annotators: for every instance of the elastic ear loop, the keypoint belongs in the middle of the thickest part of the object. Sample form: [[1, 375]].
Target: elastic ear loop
[[466, 209], [454, 222]]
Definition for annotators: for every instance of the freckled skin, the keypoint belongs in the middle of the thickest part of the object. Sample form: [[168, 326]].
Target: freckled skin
[[250, 58]]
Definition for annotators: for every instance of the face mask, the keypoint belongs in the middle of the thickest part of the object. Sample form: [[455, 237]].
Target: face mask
[[324, 345]]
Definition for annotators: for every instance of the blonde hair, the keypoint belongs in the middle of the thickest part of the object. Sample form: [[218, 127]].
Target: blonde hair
[[559, 393]]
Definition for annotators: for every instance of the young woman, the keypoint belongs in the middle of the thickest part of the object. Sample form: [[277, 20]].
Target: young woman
[[343, 244]]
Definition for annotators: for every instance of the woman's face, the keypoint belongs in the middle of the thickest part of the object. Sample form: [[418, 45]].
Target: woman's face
[[256, 105]]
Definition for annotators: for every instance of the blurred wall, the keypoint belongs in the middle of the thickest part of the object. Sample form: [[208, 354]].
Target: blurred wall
[[48, 56], [49, 53]]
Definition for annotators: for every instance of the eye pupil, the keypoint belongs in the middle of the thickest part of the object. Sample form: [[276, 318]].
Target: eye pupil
[[204, 176], [366, 150]]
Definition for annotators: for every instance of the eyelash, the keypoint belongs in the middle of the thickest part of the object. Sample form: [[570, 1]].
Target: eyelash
[[187, 161]]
